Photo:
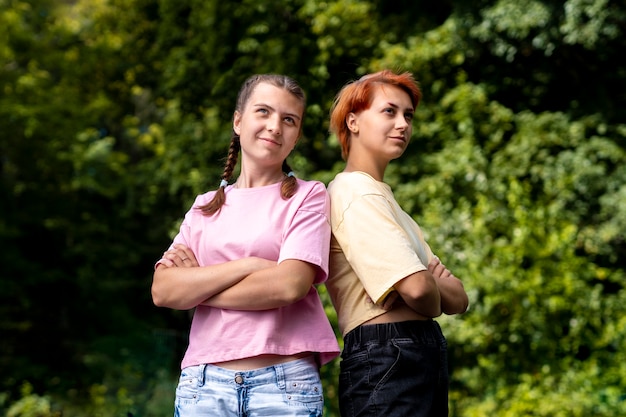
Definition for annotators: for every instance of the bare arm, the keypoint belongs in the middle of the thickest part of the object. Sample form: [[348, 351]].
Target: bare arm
[[181, 284], [421, 293], [454, 299], [281, 285], [417, 291]]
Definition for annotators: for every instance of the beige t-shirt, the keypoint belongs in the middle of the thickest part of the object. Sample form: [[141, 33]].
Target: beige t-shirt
[[374, 245]]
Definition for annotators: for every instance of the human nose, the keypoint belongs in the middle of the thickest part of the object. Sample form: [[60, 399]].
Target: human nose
[[402, 123], [273, 124]]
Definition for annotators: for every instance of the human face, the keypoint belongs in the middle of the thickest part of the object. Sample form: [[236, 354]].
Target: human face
[[269, 125], [382, 132]]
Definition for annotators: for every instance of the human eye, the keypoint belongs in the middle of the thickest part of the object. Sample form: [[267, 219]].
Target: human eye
[[261, 110], [389, 110], [408, 116]]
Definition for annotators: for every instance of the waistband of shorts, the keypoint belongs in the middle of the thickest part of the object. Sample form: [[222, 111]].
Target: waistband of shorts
[[426, 332], [294, 365], [279, 373]]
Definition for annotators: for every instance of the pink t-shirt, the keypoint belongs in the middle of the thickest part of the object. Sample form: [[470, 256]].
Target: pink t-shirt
[[259, 222]]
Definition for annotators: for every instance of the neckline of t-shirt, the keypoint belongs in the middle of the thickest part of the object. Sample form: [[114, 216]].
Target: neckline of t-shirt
[[368, 176], [232, 189]]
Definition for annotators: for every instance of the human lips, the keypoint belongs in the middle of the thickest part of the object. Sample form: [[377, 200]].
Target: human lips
[[272, 141], [400, 138]]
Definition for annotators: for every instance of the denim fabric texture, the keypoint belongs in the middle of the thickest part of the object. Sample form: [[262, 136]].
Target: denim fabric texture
[[394, 369], [291, 389]]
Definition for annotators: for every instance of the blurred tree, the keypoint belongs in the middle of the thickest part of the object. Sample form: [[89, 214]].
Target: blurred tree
[[518, 178], [115, 114], [77, 226]]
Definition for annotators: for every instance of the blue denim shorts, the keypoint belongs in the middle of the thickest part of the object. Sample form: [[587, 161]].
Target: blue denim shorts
[[394, 369], [289, 389]]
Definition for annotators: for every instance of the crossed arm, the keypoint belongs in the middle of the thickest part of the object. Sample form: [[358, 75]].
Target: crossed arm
[[244, 284], [433, 291]]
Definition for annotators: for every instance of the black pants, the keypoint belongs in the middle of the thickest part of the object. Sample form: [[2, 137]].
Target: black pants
[[394, 369]]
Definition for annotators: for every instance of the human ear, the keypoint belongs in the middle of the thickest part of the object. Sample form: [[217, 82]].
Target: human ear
[[352, 122], [237, 122]]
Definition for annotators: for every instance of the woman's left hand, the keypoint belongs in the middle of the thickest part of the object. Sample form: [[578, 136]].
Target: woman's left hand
[[180, 256]]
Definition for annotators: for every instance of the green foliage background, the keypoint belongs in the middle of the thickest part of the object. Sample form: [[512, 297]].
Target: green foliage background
[[114, 114]]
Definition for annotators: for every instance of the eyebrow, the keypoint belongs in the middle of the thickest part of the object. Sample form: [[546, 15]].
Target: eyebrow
[[294, 115], [395, 106]]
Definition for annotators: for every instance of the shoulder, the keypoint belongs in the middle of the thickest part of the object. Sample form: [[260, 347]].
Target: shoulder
[[354, 184], [311, 185], [202, 199], [311, 189], [312, 196]]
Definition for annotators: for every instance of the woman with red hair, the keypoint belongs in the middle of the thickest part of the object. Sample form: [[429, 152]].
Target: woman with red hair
[[385, 282]]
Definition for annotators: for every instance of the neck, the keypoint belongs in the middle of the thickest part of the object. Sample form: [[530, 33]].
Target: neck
[[246, 180], [377, 172]]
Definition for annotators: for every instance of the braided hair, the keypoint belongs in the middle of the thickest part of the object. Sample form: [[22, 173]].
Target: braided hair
[[289, 184]]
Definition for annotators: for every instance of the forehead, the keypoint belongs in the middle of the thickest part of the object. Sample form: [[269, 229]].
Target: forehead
[[276, 97], [385, 93]]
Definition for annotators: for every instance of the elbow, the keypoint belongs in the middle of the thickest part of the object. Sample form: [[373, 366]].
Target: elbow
[[457, 300], [421, 293], [295, 291], [465, 300], [161, 299], [295, 283], [161, 293], [299, 284], [167, 292], [158, 298], [427, 303], [464, 304], [157, 291], [294, 294], [431, 306], [162, 290], [459, 307]]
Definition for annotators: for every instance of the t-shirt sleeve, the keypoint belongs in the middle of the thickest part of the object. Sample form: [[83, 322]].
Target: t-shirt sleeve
[[307, 237], [377, 248]]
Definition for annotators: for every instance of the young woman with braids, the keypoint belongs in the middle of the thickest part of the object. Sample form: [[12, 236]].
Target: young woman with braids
[[247, 257]]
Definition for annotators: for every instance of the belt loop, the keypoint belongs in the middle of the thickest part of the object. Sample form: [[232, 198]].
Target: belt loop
[[383, 331], [358, 336], [280, 376], [201, 377], [395, 329]]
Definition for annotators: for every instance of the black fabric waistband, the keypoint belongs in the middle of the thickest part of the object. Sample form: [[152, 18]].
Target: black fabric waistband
[[426, 332]]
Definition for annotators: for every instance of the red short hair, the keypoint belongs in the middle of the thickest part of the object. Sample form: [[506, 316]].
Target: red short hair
[[357, 96]]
